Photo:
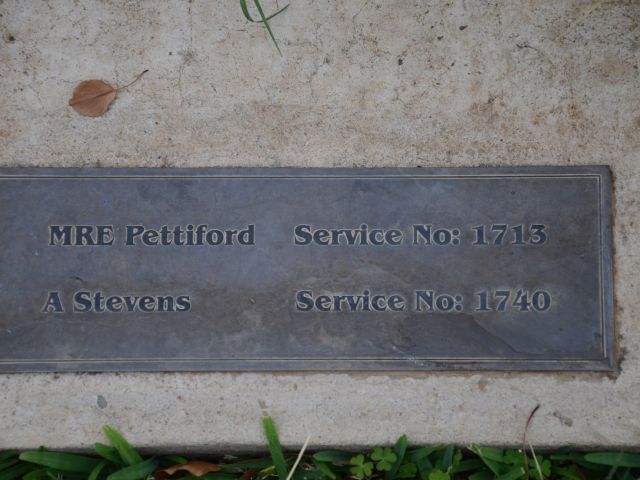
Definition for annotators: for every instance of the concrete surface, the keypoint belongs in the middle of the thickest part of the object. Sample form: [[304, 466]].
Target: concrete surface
[[360, 83]]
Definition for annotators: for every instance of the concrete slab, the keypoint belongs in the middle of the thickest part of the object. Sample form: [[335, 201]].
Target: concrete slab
[[366, 83]]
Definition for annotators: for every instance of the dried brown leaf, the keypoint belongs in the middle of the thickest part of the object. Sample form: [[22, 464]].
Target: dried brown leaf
[[92, 98], [195, 468]]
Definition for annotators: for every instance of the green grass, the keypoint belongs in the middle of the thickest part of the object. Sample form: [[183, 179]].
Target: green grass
[[264, 20], [121, 461]]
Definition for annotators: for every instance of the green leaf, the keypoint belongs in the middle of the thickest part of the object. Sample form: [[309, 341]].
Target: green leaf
[[400, 448], [362, 469], [247, 465], [439, 475], [490, 458], [6, 455], [545, 466], [484, 475], [457, 457], [268, 27], [275, 448], [66, 462], [513, 457], [175, 460], [247, 15], [138, 471], [15, 471], [37, 474], [568, 473], [108, 453], [513, 474], [447, 458], [307, 475], [324, 468], [333, 456], [66, 475], [245, 10], [385, 458], [467, 465], [366, 470], [407, 470], [619, 459], [420, 453], [579, 460], [8, 463], [424, 467], [383, 454], [489, 453], [627, 475], [611, 473], [96, 471], [126, 451]]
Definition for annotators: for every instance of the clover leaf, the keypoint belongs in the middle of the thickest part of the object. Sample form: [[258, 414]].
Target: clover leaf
[[545, 466], [514, 457], [361, 469], [407, 470], [385, 458]]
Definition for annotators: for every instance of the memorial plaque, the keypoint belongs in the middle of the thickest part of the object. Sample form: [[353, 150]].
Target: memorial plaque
[[305, 269]]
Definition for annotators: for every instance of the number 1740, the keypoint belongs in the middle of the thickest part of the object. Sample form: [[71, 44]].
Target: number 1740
[[519, 300]]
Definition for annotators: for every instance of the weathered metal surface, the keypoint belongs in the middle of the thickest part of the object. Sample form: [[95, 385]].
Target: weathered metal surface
[[287, 269]]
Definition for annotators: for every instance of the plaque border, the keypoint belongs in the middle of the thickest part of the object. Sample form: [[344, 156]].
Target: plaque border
[[606, 362]]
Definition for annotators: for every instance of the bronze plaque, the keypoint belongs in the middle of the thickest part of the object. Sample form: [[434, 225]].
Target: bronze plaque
[[305, 269]]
